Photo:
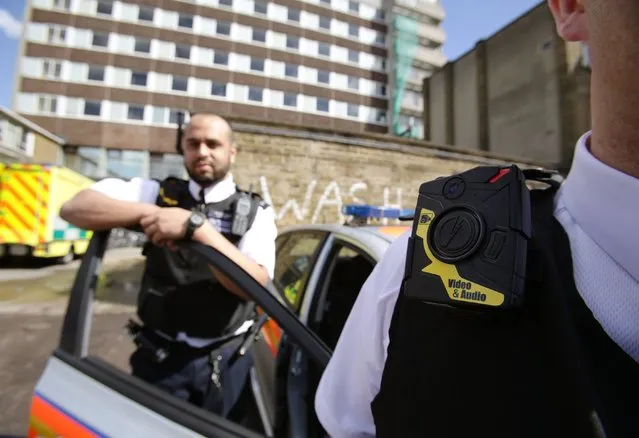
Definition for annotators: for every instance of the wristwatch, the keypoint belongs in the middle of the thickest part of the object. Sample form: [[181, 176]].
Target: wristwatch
[[195, 221]]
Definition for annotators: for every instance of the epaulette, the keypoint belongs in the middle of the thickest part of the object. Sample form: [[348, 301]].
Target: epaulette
[[172, 190], [258, 197]]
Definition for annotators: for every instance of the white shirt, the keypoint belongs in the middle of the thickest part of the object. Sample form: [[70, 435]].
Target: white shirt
[[597, 206], [258, 243]]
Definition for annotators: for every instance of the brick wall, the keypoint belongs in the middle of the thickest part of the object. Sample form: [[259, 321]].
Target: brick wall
[[309, 179]]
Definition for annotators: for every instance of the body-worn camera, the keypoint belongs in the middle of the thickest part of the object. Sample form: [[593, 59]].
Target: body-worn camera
[[469, 239]]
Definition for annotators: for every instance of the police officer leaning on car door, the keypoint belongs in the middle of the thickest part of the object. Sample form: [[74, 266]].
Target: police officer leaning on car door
[[563, 364], [187, 309]]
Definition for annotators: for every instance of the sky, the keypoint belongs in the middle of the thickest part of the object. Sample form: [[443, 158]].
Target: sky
[[466, 22]]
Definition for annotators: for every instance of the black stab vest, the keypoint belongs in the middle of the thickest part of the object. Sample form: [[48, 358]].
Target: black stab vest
[[545, 370], [179, 291]]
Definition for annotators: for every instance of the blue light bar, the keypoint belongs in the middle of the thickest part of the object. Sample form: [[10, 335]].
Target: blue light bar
[[372, 212]]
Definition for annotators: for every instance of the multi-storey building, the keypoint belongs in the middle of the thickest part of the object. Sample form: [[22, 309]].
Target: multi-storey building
[[110, 76]]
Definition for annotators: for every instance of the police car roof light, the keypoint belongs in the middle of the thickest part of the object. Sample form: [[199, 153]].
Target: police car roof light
[[372, 212]]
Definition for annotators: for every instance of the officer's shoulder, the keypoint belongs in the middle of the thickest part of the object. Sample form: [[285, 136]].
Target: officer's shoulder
[[256, 197], [172, 182]]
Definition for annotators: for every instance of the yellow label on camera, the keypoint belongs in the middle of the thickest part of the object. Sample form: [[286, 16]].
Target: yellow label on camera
[[457, 287]]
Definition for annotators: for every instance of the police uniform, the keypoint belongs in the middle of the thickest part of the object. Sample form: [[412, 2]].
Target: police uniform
[[191, 325], [397, 382]]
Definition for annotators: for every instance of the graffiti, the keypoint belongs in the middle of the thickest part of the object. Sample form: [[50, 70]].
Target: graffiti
[[329, 201]]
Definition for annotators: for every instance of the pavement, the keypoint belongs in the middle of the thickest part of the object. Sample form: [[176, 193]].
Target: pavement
[[43, 269], [33, 300]]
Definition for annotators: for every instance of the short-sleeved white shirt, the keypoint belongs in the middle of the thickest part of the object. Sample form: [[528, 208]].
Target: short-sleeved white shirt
[[597, 206], [258, 243]]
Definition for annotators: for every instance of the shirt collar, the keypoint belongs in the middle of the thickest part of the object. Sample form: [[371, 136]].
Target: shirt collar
[[215, 193], [603, 202]]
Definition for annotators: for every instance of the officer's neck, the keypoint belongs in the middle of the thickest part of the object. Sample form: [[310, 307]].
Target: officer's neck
[[615, 122]]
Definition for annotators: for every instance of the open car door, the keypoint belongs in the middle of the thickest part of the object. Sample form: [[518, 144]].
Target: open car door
[[83, 396]]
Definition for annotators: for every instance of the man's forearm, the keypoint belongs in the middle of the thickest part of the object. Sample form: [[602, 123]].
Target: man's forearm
[[93, 210]]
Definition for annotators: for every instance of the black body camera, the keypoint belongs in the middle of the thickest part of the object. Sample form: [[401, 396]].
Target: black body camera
[[469, 240]]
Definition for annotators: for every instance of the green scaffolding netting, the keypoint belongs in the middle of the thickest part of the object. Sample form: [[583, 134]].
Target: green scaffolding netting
[[404, 45]]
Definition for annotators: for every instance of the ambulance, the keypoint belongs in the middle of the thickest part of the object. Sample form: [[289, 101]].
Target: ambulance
[[30, 224]]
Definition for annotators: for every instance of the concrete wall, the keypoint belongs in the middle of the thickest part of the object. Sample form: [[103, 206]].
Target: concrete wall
[[521, 92]]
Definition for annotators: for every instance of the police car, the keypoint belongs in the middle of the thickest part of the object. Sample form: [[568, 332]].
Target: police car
[[318, 274]]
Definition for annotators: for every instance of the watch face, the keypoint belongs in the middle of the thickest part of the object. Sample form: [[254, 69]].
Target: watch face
[[197, 219]]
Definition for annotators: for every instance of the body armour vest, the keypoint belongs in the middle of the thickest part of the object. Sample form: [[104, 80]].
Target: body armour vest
[[179, 292], [545, 370]]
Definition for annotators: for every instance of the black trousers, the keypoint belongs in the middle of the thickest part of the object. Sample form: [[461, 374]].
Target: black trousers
[[186, 373]]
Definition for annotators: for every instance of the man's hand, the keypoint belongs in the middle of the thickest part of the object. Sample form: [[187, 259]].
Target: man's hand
[[165, 225]]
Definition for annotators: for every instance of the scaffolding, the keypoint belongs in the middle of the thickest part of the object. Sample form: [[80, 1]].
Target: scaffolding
[[405, 44]]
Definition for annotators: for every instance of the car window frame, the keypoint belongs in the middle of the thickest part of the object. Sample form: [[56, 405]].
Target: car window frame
[[73, 346]]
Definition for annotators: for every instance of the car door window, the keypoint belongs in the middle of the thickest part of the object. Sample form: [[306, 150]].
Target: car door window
[[295, 259], [346, 273]]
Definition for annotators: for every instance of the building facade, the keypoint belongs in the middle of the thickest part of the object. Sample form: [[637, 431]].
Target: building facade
[[111, 75], [22, 141], [522, 92]]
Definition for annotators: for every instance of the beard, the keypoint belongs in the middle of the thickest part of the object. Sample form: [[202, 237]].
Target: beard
[[208, 177]]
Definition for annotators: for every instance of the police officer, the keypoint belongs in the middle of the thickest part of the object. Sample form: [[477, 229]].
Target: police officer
[[193, 318], [397, 381]]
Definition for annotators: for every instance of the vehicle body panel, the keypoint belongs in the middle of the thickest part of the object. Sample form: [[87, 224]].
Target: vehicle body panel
[[31, 196]]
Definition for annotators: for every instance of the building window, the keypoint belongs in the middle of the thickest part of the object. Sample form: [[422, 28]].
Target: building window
[[182, 51], [324, 22], [127, 164], [135, 112], [62, 4], [218, 89], [92, 108], [105, 7], [162, 166], [96, 73], [290, 70], [293, 15], [353, 56], [57, 34], [353, 7], [379, 14], [290, 99], [255, 94], [221, 58], [179, 83], [257, 64], [51, 69], [185, 20], [223, 28], [47, 104], [259, 35], [381, 117], [352, 110], [323, 76], [353, 29], [324, 49], [142, 45], [260, 8], [139, 78], [173, 115], [353, 83], [292, 42], [380, 89], [380, 38], [322, 105], [100, 39], [146, 13], [226, 2], [326, 2]]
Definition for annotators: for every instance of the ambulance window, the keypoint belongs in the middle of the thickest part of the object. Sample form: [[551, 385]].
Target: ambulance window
[[295, 259]]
